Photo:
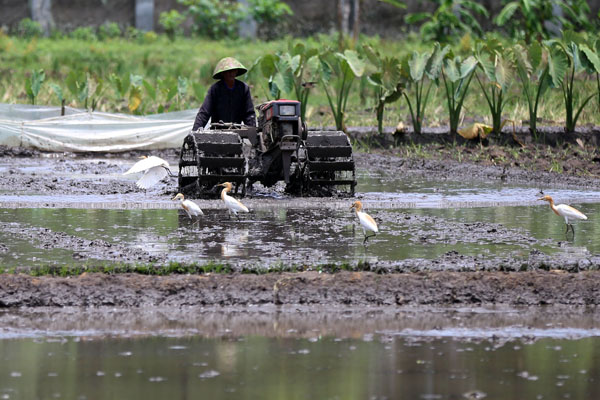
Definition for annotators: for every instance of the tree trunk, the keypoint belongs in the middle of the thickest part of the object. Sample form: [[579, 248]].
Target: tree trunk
[[356, 21], [41, 11]]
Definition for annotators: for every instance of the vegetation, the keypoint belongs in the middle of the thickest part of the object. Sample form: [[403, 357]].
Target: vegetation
[[556, 80]]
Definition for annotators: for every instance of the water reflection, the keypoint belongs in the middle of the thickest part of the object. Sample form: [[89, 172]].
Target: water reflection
[[322, 367], [299, 236]]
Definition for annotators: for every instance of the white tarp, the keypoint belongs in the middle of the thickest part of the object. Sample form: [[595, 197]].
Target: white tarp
[[43, 128]]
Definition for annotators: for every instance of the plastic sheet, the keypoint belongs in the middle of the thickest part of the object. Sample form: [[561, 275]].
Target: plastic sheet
[[43, 128]]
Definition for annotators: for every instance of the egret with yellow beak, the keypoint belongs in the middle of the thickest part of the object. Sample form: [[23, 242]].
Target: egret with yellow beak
[[366, 221], [569, 213], [189, 206], [233, 205]]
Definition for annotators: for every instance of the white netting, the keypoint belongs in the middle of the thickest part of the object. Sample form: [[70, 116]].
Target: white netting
[[43, 128]]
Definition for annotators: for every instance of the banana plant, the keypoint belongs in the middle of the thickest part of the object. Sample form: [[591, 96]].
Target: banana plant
[[497, 69], [457, 75], [567, 58], [33, 84], [338, 74], [420, 72], [532, 71]]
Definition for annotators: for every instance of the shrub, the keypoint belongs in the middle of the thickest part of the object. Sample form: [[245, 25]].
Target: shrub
[[28, 28], [84, 33], [171, 22], [109, 30], [215, 19]]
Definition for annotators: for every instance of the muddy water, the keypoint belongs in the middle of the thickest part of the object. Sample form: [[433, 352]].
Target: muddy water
[[292, 236], [470, 354]]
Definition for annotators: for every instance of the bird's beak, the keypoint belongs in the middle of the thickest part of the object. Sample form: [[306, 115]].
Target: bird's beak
[[541, 198]]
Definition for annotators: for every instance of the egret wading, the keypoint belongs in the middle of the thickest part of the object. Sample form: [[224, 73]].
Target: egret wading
[[233, 205], [366, 221], [189, 206], [154, 168], [569, 213]]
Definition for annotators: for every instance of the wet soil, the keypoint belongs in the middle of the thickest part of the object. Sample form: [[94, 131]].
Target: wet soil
[[452, 279], [304, 288]]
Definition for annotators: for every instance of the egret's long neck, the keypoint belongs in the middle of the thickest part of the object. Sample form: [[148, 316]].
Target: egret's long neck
[[224, 193], [553, 207]]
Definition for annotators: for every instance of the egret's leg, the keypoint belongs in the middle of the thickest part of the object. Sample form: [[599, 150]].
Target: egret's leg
[[367, 237]]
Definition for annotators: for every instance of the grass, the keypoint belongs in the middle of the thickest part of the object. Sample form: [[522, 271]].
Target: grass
[[176, 268]]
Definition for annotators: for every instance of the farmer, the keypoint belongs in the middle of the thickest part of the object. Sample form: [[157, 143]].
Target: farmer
[[229, 99]]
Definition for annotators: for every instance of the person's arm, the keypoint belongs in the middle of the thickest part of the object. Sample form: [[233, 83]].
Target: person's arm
[[205, 111], [249, 114]]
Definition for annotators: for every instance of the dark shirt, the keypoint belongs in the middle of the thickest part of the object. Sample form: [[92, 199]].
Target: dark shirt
[[227, 105]]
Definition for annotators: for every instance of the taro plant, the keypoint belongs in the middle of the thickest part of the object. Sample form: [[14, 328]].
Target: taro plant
[[450, 19], [457, 75], [532, 72], [276, 69], [305, 68], [496, 69], [421, 72], [338, 74], [566, 59], [386, 82], [33, 84], [77, 83], [294, 72]]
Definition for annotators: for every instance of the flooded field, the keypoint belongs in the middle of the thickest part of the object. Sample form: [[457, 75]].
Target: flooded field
[[408, 354], [418, 218], [285, 335]]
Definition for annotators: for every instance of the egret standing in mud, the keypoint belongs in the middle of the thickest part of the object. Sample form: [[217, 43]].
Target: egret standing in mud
[[189, 206], [366, 221], [233, 205], [154, 168], [569, 213]]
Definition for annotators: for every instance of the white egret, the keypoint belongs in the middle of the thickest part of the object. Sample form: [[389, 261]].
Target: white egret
[[569, 213], [154, 168], [366, 221], [233, 205], [189, 206]]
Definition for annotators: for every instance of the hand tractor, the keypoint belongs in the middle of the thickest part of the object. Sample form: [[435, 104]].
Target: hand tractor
[[281, 148]]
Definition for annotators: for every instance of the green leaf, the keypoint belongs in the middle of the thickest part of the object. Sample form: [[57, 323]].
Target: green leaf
[[372, 55], [590, 58], [356, 64], [151, 90], [467, 66], [451, 69], [434, 65], [502, 73], [395, 3], [417, 64], [506, 13], [558, 63], [535, 54], [57, 91]]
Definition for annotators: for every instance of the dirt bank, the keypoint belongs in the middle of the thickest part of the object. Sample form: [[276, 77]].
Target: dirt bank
[[306, 288]]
